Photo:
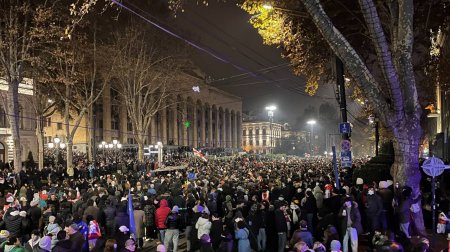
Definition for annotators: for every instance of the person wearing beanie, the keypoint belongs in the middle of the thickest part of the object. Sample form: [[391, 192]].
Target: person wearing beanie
[[45, 244], [63, 244], [302, 234], [174, 225], [350, 219]]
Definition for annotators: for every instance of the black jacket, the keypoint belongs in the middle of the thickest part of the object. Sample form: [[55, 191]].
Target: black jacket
[[78, 241], [63, 246], [173, 221], [280, 222]]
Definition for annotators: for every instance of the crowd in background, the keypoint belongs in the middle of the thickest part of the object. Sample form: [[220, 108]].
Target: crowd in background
[[234, 204]]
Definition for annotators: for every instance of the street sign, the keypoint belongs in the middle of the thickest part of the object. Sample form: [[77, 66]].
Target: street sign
[[346, 158], [344, 128], [345, 145]]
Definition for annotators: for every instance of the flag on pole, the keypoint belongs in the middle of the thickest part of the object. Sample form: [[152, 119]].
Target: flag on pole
[[131, 215], [199, 154]]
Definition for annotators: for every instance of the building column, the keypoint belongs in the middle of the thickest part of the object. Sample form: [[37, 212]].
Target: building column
[[239, 129], [210, 131], [184, 117], [123, 124], [194, 125], [153, 138], [175, 124], [224, 129], [217, 132], [106, 100], [229, 137], [163, 124], [203, 125], [236, 132]]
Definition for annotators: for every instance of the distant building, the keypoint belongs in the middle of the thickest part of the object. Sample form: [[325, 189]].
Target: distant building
[[260, 137], [27, 121], [213, 117]]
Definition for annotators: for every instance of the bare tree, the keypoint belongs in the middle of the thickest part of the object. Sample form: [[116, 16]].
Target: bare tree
[[145, 71]]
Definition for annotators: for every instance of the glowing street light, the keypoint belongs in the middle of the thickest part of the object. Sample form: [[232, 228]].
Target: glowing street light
[[311, 138], [267, 6], [270, 109]]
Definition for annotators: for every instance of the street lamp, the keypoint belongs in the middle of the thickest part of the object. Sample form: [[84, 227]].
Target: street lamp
[[312, 123], [270, 109], [56, 143]]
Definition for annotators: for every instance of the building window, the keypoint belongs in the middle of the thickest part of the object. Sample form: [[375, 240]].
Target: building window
[[100, 124], [251, 141], [264, 131], [129, 125], [3, 119], [114, 124], [59, 126], [257, 142], [264, 142], [244, 132], [250, 132], [131, 140], [257, 132]]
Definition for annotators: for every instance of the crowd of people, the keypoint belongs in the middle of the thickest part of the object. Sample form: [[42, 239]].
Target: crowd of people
[[234, 204]]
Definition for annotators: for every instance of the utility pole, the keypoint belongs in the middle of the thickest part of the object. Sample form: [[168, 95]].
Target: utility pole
[[340, 81]]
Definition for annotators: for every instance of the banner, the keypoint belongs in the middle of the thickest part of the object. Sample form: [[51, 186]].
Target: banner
[[131, 214]]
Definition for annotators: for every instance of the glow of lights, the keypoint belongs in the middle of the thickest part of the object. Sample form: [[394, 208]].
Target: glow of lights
[[119, 146], [62, 145], [159, 143], [110, 145], [271, 108], [100, 146], [103, 143], [50, 101], [56, 140], [267, 6], [51, 145], [311, 122], [115, 142], [196, 89]]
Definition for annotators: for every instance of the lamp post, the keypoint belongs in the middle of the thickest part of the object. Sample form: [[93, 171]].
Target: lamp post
[[270, 109], [311, 137], [159, 146], [115, 145], [57, 144]]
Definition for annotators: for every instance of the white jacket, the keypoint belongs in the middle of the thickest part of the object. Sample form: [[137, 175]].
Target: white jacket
[[203, 226]]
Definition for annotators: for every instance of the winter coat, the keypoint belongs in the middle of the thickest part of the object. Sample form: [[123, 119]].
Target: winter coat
[[110, 213], [173, 221], [374, 206], [243, 241], [203, 226], [121, 219], [318, 194], [149, 211], [12, 248], [78, 241], [280, 222], [63, 246], [35, 214], [355, 217], [32, 247], [13, 224], [161, 214], [139, 216], [215, 232], [90, 210]]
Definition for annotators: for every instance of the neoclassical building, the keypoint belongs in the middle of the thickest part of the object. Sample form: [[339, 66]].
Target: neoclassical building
[[27, 123], [208, 118], [260, 137]]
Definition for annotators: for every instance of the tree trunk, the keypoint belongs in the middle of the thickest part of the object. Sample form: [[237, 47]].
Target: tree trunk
[[405, 169], [14, 122], [91, 136], [141, 152], [40, 141], [69, 152]]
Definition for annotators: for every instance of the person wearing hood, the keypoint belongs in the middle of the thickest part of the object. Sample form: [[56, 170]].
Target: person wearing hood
[[13, 223], [160, 218], [350, 223], [203, 225], [33, 244], [242, 235], [63, 244], [45, 244], [318, 194], [12, 244]]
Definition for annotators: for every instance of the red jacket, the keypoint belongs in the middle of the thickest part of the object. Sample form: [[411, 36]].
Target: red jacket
[[161, 214]]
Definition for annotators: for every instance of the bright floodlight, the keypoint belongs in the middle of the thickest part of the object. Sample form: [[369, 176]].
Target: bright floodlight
[[115, 141], [311, 122], [110, 145], [267, 6], [119, 146], [50, 145], [271, 108], [100, 146], [159, 143], [103, 143], [56, 140], [62, 145]]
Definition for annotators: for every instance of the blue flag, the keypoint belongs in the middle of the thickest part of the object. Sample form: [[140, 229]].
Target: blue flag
[[131, 214]]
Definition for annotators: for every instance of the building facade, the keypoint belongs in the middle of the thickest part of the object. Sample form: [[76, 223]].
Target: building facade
[[208, 118], [260, 137], [27, 121]]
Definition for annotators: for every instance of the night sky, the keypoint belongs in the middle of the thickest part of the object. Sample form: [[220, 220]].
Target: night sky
[[265, 79]]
